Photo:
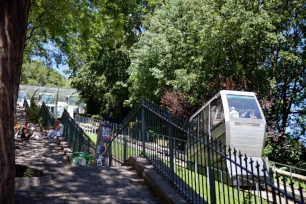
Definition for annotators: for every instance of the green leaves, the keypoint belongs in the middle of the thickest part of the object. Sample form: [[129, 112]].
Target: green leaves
[[38, 74]]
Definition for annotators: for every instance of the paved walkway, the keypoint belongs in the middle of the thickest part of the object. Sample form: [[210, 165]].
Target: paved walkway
[[63, 183]]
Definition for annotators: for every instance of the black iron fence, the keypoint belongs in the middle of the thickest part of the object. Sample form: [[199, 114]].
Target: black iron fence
[[48, 119], [76, 138], [203, 170], [26, 104], [91, 126]]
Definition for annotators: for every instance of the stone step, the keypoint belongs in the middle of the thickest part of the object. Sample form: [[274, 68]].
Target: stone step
[[64, 146], [66, 159], [68, 150], [69, 154], [60, 138], [63, 143], [57, 148]]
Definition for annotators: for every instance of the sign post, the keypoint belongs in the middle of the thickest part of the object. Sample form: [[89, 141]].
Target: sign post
[[103, 141]]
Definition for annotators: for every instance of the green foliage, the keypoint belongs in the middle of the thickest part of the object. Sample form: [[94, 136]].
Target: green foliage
[[28, 173], [200, 47], [286, 151], [36, 73], [96, 117], [33, 113], [120, 51]]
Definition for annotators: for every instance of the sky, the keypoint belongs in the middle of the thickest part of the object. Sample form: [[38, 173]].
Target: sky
[[57, 67]]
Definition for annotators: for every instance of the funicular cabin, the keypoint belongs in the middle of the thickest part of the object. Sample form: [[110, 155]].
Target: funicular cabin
[[236, 120]]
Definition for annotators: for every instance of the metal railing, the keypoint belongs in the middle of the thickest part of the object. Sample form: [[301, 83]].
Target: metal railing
[[94, 122], [288, 168], [91, 126], [26, 104], [48, 119], [77, 139], [206, 171]]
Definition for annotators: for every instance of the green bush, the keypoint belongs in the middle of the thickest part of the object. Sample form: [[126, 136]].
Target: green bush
[[96, 117], [28, 173], [33, 112]]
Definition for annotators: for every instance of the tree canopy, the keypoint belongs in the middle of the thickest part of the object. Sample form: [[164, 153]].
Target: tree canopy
[[179, 53], [38, 74]]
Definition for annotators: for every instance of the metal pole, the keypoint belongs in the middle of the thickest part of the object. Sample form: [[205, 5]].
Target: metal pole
[[257, 190], [143, 128], [171, 173], [125, 145], [209, 161]]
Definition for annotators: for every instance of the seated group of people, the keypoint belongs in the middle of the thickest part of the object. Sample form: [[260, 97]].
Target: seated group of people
[[26, 131]]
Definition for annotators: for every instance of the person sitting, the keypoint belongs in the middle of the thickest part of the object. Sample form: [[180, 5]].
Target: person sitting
[[57, 130], [17, 128], [246, 114], [26, 131], [253, 116], [233, 113]]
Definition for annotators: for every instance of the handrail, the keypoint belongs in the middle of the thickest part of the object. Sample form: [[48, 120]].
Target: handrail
[[77, 139], [292, 167], [46, 115], [146, 117]]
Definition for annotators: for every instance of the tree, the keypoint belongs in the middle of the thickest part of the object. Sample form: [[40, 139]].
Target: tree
[[288, 68], [200, 47], [13, 27], [38, 74], [101, 80], [197, 47]]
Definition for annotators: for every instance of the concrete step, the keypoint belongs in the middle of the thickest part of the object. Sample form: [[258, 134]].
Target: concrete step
[[68, 150], [63, 143], [60, 138], [57, 148], [64, 146], [69, 154]]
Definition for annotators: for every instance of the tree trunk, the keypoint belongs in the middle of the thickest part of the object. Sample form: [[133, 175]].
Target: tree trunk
[[13, 28]]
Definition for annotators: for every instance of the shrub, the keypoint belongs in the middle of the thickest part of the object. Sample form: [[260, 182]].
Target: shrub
[[33, 112]]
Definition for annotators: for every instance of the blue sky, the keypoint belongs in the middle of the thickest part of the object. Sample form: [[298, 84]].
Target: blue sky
[[57, 67]]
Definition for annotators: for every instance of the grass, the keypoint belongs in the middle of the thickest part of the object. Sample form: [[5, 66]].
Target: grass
[[92, 136], [197, 182], [296, 183], [224, 193]]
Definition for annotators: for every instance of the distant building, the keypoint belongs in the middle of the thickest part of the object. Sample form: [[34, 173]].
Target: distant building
[[56, 99]]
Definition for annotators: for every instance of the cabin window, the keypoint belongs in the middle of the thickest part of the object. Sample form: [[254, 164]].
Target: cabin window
[[199, 124], [216, 112], [243, 107]]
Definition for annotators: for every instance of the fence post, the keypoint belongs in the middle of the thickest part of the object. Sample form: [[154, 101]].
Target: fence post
[[271, 175], [110, 155], [211, 173], [171, 173], [124, 145], [143, 129]]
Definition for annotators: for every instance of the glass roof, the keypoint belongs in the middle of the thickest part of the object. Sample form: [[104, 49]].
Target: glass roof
[[60, 94]]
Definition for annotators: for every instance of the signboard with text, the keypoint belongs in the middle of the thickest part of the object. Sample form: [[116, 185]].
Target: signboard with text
[[103, 140]]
